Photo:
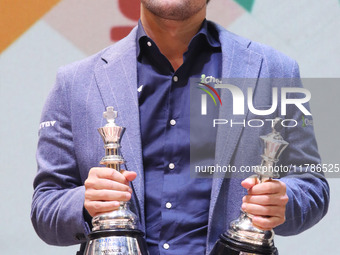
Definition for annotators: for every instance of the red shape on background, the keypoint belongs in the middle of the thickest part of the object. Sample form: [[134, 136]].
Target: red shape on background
[[119, 32], [131, 10]]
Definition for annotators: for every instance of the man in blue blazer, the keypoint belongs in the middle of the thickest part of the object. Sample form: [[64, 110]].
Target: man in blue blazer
[[144, 77]]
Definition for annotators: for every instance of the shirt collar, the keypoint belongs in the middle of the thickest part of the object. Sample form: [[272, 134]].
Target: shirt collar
[[207, 32], [140, 34], [210, 34]]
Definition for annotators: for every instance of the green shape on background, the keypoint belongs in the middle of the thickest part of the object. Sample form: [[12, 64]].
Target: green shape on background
[[247, 4]]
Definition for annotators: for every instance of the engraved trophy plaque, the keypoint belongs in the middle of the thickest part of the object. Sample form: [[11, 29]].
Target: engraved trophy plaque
[[242, 238], [115, 233]]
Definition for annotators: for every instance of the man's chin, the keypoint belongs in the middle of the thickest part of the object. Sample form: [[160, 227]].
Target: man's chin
[[179, 10]]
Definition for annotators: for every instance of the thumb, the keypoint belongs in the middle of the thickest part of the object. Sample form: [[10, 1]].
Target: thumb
[[129, 175], [249, 182]]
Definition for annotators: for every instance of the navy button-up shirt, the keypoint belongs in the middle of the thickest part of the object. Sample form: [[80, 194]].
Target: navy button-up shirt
[[176, 206]]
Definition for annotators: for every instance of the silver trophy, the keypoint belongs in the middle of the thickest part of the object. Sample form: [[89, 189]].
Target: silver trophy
[[115, 233], [242, 238]]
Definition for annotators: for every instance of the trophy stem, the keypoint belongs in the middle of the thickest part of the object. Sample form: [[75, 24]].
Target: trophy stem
[[114, 166]]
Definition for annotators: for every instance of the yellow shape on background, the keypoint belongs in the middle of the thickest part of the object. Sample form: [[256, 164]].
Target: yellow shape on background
[[16, 16]]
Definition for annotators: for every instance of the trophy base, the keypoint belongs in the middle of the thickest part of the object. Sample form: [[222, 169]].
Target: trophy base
[[228, 246], [116, 242]]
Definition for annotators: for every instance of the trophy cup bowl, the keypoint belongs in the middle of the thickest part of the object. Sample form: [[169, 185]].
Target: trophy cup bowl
[[242, 238], [116, 232]]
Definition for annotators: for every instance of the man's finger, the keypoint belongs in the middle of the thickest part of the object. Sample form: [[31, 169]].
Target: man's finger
[[267, 223], [272, 199], [129, 175], [107, 173], [97, 207], [106, 184], [107, 195], [269, 187], [249, 182], [260, 210]]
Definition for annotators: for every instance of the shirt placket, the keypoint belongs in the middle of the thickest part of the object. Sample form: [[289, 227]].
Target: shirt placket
[[171, 171]]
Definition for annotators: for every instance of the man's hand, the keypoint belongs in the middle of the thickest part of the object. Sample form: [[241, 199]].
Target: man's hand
[[266, 201], [105, 188]]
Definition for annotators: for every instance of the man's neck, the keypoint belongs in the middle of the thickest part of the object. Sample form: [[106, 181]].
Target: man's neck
[[172, 36]]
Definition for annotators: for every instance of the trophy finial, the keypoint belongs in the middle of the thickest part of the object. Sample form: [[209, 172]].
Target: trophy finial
[[110, 115], [277, 127]]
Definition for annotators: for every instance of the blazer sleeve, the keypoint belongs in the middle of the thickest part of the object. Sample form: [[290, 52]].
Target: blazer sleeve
[[307, 190], [58, 199]]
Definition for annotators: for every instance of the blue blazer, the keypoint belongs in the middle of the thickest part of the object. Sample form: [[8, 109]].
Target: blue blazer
[[69, 144]]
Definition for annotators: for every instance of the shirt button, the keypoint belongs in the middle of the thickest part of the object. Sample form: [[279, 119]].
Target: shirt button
[[175, 78], [149, 44], [166, 246], [171, 166], [168, 205], [172, 122]]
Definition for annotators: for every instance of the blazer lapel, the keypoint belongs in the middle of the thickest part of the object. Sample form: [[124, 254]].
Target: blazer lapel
[[116, 78], [241, 63]]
